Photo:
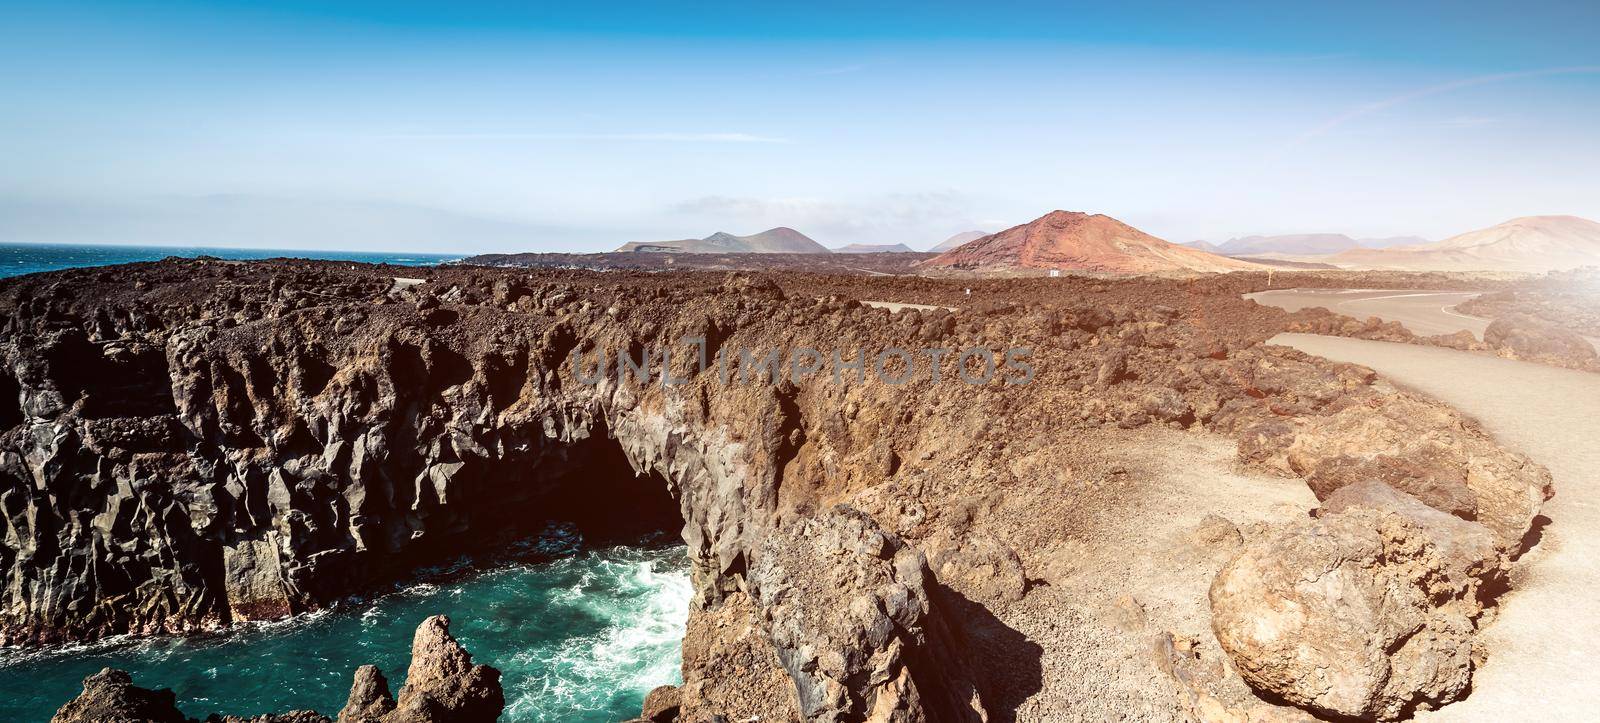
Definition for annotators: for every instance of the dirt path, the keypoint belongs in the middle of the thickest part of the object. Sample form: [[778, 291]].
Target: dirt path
[[897, 306], [1423, 312], [1544, 647], [1135, 567]]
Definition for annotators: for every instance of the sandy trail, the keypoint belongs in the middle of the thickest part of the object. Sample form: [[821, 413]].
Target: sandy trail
[[1130, 570], [1423, 312], [1544, 647], [894, 306], [401, 283]]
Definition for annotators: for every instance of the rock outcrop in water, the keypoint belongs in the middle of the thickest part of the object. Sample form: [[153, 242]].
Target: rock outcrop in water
[[442, 686], [194, 443], [110, 696]]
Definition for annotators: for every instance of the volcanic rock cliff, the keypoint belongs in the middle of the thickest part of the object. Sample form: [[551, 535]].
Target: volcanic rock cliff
[[189, 444]]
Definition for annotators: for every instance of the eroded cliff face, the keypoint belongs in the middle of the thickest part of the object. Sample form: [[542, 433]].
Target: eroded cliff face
[[196, 443], [261, 449]]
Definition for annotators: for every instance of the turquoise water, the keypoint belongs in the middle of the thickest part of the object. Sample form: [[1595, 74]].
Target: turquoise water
[[19, 259], [579, 638]]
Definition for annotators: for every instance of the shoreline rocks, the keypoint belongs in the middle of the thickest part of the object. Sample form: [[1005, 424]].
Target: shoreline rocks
[[442, 686]]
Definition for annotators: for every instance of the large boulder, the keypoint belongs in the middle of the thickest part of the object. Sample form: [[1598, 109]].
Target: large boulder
[[1366, 611], [1427, 450], [661, 704], [370, 699]]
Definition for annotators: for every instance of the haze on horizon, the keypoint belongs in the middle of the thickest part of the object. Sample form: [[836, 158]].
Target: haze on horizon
[[497, 126]]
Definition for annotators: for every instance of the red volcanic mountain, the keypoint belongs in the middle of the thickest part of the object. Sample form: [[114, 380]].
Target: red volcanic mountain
[[1069, 240]]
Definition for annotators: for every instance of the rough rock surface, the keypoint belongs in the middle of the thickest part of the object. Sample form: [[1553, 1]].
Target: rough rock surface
[[1366, 611], [369, 699], [662, 704], [442, 686], [110, 696], [194, 443], [880, 652], [1519, 336], [1424, 449], [1567, 299]]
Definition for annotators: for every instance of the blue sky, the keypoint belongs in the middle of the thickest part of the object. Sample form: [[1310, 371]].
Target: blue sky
[[473, 126]]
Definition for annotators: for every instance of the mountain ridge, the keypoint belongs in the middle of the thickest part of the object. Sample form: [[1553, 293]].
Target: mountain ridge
[[777, 240], [873, 249], [1527, 244], [1307, 244], [1302, 244]]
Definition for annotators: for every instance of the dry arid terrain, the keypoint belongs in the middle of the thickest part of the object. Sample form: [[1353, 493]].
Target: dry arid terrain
[[1525, 245], [1570, 300], [1150, 513], [1532, 244]]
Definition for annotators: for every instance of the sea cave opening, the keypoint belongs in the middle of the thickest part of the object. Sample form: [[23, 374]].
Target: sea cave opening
[[597, 489]]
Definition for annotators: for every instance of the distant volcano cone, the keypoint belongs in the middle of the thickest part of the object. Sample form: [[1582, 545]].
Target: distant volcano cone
[[1078, 241]]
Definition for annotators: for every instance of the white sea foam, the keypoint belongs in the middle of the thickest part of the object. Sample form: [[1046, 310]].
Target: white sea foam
[[642, 602]]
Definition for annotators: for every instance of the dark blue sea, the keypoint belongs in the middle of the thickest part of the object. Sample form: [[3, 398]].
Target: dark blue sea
[[19, 259]]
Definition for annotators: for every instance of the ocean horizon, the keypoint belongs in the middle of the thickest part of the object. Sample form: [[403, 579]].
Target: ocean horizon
[[18, 259]]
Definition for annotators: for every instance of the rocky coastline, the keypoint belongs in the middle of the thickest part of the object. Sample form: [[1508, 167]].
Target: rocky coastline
[[189, 444]]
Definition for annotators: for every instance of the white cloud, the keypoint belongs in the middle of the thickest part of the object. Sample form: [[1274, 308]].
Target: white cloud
[[620, 137]]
